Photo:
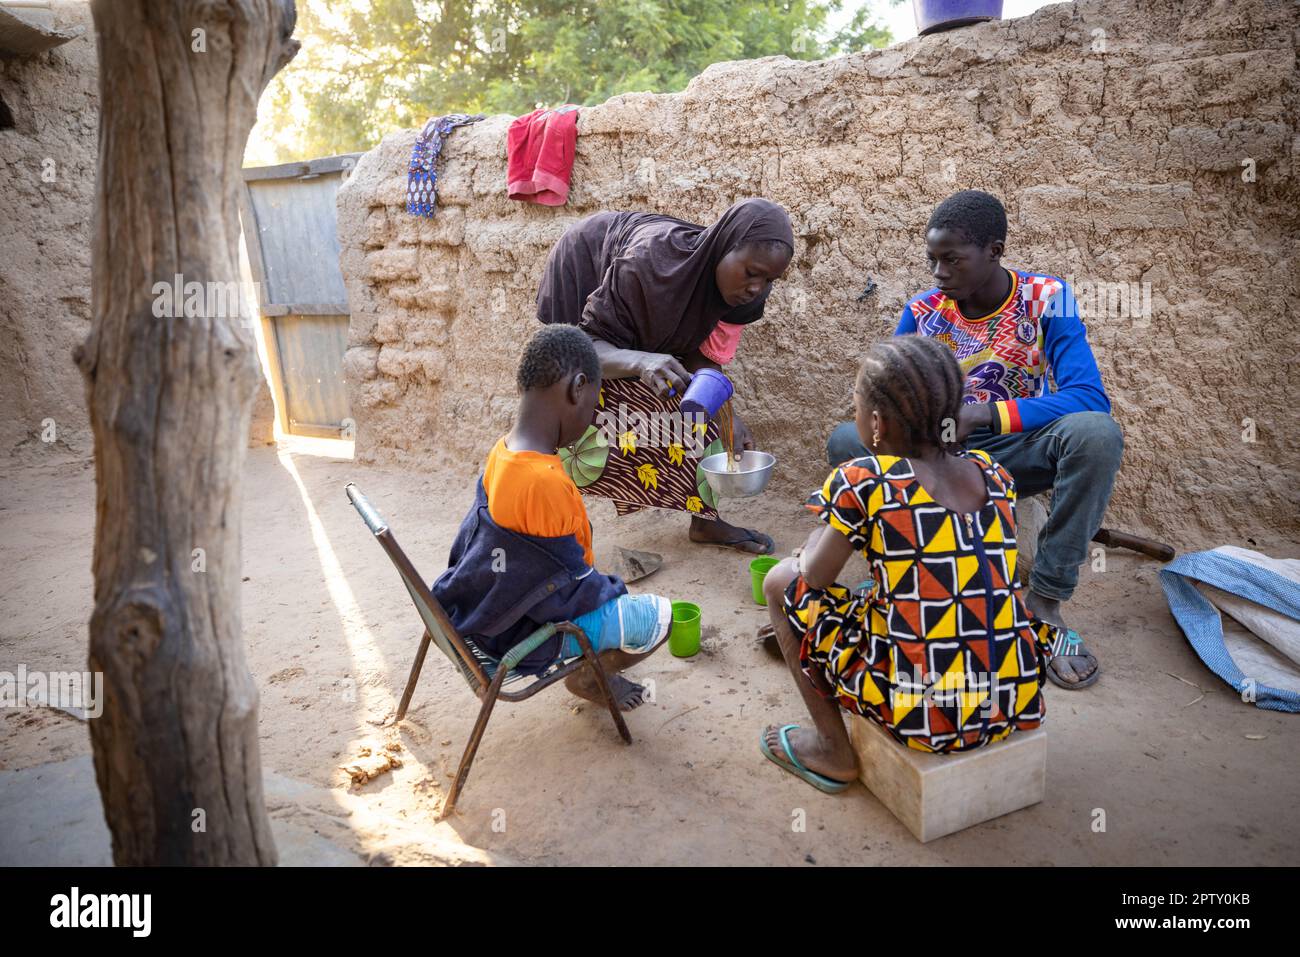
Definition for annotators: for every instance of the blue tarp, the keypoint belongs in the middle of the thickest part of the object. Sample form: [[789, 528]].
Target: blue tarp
[[1201, 621]]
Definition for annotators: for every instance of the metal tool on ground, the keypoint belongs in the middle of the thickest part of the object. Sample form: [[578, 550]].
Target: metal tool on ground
[[636, 565], [1114, 539]]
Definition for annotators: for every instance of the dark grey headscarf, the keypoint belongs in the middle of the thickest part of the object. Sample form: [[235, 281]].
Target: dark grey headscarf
[[646, 281]]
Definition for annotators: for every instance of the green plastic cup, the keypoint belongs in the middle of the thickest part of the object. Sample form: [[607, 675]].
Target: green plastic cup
[[758, 570], [684, 642]]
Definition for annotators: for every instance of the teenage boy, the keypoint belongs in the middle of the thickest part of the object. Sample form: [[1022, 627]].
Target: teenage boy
[[1008, 330]]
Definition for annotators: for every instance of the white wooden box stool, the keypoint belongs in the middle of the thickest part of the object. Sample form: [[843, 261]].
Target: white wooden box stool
[[938, 794]]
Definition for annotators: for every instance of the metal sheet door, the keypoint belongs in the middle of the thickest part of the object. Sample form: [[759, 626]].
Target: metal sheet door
[[290, 227]]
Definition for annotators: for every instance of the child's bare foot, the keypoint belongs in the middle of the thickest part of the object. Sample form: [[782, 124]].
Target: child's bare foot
[[814, 753], [627, 694]]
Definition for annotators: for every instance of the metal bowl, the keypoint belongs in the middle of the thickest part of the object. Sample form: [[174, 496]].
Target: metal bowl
[[753, 472]]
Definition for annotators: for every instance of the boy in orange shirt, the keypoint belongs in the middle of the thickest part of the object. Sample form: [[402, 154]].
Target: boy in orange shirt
[[524, 558]]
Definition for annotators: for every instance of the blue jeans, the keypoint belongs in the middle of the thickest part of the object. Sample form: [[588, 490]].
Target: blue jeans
[[1075, 458]]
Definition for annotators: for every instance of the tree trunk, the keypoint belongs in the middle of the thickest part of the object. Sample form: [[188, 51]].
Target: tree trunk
[[176, 752]]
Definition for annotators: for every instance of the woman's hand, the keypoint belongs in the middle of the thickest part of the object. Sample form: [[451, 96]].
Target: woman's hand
[[660, 372], [663, 373], [743, 438]]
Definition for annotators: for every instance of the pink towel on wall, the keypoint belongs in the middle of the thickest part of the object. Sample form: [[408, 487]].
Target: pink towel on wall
[[539, 150], [722, 343]]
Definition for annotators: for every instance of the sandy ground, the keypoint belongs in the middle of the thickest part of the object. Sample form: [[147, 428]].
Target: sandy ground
[[331, 635]]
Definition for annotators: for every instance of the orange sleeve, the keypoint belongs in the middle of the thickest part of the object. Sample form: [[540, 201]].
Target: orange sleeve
[[532, 495]]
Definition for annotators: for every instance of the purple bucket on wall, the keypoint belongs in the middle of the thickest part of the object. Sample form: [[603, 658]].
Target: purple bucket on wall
[[932, 16], [708, 390]]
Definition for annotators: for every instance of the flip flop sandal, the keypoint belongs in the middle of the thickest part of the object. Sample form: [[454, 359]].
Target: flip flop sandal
[[1068, 644], [749, 536], [793, 765]]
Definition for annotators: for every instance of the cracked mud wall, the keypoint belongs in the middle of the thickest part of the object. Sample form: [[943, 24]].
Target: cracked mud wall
[[1119, 155], [47, 201], [48, 164]]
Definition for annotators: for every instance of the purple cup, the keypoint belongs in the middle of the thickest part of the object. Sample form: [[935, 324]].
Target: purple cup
[[932, 16], [708, 390]]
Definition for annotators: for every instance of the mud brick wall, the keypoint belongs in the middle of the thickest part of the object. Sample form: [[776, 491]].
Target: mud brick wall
[[1150, 142], [47, 205], [47, 201]]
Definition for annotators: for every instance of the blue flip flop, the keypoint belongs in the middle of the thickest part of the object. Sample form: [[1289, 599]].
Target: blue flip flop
[[819, 781]]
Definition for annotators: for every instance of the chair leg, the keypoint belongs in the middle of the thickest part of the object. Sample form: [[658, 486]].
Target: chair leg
[[415, 676], [594, 664], [467, 759]]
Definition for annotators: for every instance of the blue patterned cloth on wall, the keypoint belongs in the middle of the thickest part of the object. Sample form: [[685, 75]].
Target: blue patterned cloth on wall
[[422, 177]]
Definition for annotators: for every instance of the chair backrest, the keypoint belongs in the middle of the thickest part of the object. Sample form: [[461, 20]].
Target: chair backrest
[[436, 621]]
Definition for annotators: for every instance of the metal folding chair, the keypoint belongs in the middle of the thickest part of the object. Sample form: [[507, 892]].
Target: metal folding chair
[[486, 676]]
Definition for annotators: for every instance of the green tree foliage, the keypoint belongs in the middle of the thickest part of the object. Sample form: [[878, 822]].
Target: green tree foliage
[[365, 70]]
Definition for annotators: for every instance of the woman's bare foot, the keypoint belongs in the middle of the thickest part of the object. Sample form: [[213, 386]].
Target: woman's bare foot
[[814, 753], [718, 532], [627, 694]]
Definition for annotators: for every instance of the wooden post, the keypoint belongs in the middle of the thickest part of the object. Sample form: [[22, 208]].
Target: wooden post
[[170, 395]]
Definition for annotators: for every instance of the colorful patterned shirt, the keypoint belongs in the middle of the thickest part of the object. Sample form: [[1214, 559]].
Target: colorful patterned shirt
[[1007, 355], [942, 650]]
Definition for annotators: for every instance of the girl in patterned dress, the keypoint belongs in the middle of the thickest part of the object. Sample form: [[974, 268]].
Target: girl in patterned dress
[[937, 646]]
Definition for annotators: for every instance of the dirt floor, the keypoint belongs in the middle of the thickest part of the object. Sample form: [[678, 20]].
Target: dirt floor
[[1183, 779]]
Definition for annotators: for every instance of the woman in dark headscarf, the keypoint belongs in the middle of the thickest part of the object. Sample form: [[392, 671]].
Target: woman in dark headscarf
[[662, 298]]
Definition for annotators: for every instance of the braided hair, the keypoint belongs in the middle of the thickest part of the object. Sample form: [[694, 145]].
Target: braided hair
[[915, 380]]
